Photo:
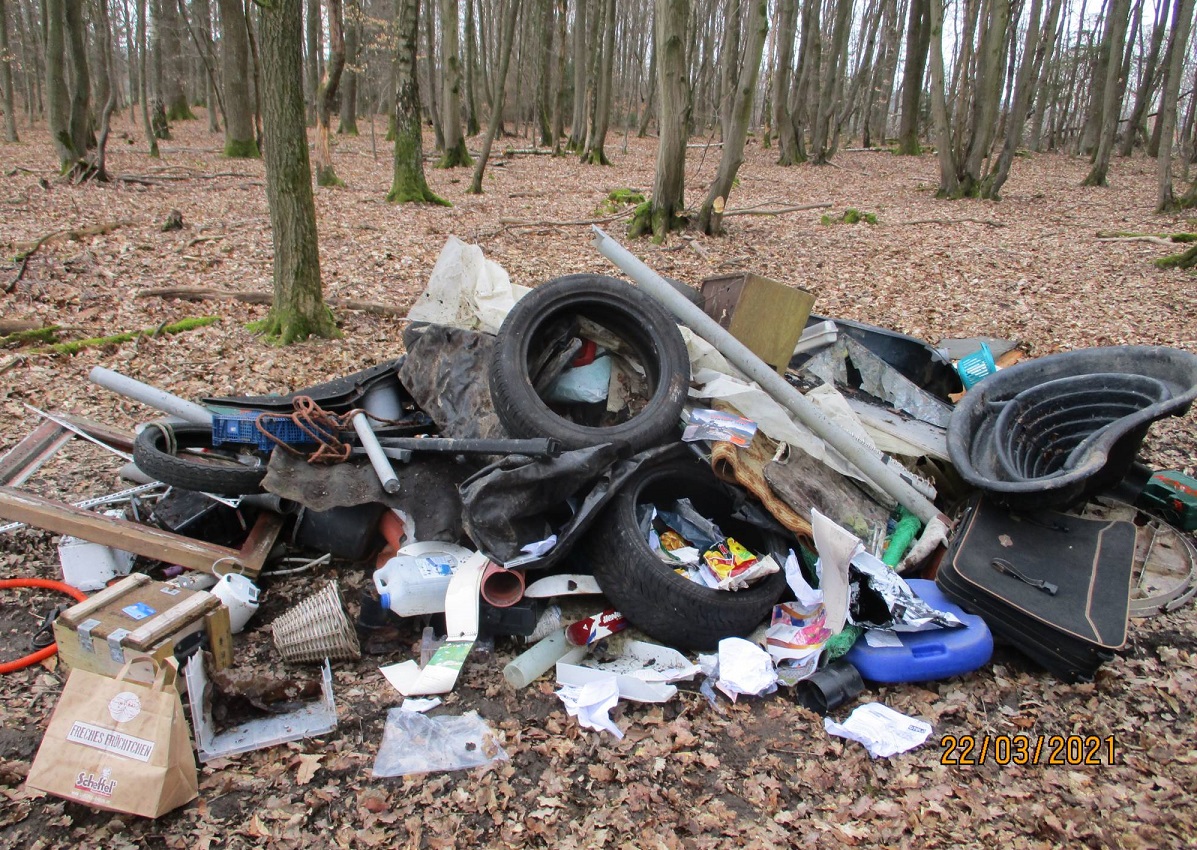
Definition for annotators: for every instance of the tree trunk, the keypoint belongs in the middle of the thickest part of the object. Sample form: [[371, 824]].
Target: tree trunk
[[1147, 79], [143, 77], [882, 86], [434, 113], [1116, 34], [451, 79], [298, 310], [918, 35], [98, 170], [562, 92], [991, 185], [756, 23], [496, 115], [1042, 92], [729, 63], [829, 83], [783, 74], [649, 101], [82, 135], [349, 80], [58, 96], [544, 69], [311, 67], [408, 183], [173, 93], [809, 62], [987, 98], [577, 128], [949, 184], [6, 60], [473, 125], [600, 120], [239, 137], [1182, 20], [664, 212], [327, 101]]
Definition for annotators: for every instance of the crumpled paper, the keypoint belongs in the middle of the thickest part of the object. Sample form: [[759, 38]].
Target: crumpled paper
[[591, 704], [744, 668], [883, 731]]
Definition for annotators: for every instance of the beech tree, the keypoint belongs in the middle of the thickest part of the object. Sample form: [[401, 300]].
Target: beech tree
[[326, 98], [451, 79], [239, 138], [298, 310], [710, 217], [408, 183], [663, 212], [6, 59]]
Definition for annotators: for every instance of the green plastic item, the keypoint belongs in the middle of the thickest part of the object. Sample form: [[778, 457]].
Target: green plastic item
[[841, 642], [904, 534]]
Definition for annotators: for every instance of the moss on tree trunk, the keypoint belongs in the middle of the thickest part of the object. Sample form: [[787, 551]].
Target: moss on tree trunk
[[298, 309], [408, 183], [1185, 260]]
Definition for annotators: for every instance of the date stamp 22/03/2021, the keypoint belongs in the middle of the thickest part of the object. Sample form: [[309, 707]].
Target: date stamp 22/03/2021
[[1062, 750]]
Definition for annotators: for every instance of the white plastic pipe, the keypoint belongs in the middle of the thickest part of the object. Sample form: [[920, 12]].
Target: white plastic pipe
[[152, 396], [537, 660], [871, 464]]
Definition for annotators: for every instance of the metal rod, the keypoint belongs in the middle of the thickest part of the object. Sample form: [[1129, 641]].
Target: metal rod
[[382, 466], [62, 423], [871, 464], [532, 447]]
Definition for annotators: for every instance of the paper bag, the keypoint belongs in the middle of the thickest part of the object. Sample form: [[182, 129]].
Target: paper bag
[[118, 744]]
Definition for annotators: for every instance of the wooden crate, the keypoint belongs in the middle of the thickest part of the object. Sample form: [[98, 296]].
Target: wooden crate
[[140, 616], [765, 315]]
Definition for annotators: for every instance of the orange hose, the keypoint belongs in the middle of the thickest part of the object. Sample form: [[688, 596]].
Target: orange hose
[[45, 652]]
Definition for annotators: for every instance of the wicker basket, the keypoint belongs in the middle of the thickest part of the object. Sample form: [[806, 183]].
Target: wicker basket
[[316, 628]]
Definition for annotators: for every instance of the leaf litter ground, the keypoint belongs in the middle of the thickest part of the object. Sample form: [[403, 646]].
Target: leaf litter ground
[[761, 773]]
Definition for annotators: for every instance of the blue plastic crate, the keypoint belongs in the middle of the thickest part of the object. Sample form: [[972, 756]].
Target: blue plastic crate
[[240, 427]]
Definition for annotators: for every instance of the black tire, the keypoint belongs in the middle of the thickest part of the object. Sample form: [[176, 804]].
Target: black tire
[[623, 310], [655, 599], [224, 477]]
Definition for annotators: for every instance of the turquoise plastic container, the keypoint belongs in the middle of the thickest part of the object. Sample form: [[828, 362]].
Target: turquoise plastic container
[[930, 655], [975, 367]]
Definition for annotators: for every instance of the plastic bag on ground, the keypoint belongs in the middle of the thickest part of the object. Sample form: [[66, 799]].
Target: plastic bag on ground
[[883, 731], [466, 290], [413, 743]]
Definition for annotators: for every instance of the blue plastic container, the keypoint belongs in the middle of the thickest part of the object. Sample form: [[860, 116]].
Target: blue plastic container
[[930, 655], [975, 367], [241, 427]]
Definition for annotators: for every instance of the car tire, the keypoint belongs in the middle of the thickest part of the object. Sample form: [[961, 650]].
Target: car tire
[[655, 599], [635, 317]]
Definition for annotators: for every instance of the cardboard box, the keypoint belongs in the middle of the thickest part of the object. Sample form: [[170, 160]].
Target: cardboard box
[[140, 616], [767, 316]]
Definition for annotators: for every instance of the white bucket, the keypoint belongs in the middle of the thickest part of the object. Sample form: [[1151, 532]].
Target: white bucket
[[240, 596]]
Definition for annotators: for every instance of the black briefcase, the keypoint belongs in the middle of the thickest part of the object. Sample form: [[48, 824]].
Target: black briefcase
[[1055, 586]]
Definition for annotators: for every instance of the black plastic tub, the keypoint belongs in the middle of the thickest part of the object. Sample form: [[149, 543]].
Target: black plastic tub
[[1051, 432]]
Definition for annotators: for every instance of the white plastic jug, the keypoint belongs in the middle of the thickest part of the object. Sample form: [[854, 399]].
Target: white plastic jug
[[240, 596], [414, 581]]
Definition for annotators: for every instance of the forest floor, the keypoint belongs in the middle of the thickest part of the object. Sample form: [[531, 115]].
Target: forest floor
[[758, 773]]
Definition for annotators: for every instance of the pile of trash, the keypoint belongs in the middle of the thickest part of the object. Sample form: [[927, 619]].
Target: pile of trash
[[639, 485]]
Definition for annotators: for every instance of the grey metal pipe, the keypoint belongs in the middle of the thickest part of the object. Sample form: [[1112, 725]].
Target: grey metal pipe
[[871, 464], [382, 466], [152, 396]]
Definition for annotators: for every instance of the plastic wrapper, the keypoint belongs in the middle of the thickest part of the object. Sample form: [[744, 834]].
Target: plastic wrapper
[[413, 743], [880, 599]]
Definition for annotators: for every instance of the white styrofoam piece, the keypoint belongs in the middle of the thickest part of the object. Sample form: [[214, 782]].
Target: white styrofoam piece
[[562, 585]]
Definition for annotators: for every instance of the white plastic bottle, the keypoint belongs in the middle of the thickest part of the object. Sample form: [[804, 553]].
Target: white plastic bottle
[[414, 581]]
